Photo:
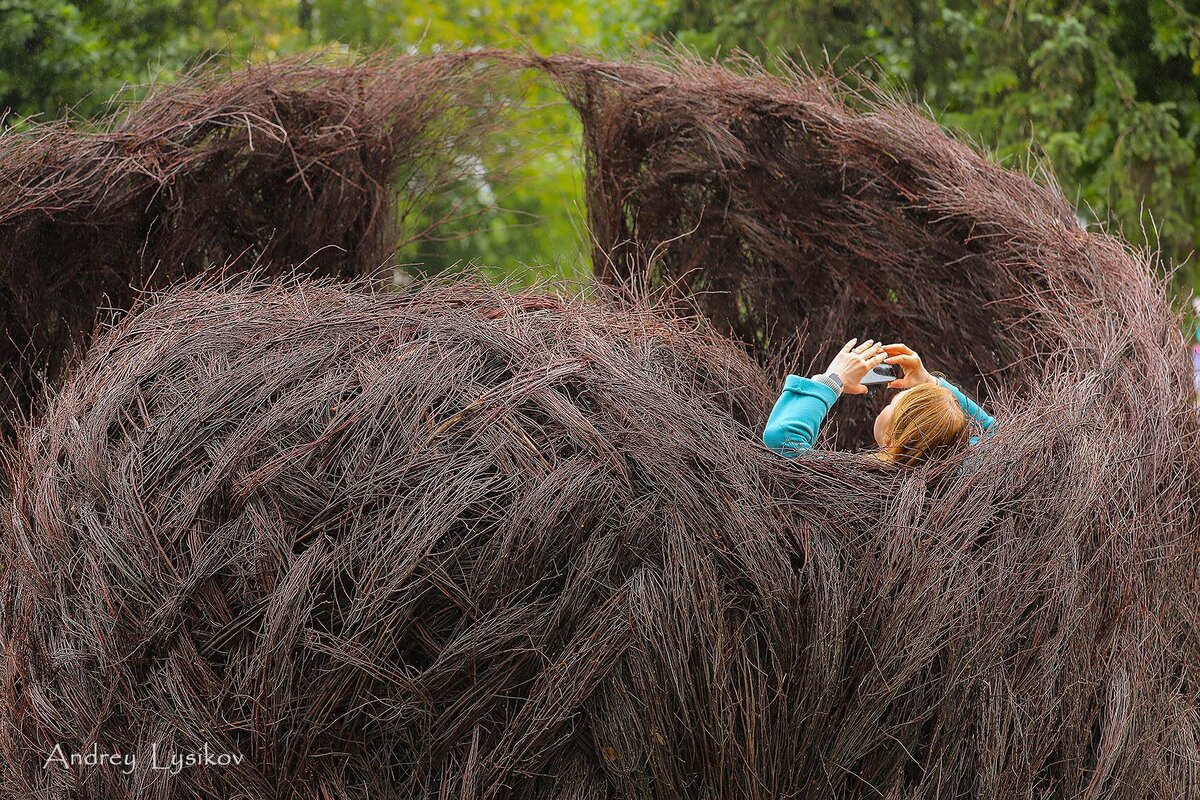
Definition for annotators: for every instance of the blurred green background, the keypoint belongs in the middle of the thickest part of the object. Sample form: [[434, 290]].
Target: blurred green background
[[1105, 92]]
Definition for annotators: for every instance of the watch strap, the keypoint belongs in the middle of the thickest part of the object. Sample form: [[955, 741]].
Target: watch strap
[[830, 379]]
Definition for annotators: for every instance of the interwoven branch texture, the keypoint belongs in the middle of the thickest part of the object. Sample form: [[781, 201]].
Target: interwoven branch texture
[[301, 166], [459, 542]]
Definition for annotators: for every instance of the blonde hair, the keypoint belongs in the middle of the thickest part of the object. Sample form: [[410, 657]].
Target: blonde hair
[[928, 421]]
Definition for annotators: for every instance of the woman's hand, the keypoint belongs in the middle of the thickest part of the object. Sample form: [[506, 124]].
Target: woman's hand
[[914, 371], [852, 363]]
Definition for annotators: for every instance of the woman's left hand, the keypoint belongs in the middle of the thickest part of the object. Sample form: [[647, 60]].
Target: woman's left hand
[[904, 357], [853, 362]]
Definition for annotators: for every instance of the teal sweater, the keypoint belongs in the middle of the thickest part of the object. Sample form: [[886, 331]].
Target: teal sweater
[[799, 411]]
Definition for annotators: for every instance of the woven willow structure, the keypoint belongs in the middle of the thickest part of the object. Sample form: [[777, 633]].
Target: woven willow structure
[[455, 541]]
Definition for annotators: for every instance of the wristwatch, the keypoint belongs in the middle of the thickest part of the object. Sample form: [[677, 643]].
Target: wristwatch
[[830, 379]]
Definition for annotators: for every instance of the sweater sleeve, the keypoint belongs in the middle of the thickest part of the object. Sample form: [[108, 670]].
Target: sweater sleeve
[[797, 416], [971, 409]]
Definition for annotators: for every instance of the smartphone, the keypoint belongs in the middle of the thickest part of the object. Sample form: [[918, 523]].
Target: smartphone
[[882, 376]]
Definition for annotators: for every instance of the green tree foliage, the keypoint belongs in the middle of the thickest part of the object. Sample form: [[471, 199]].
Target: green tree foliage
[[59, 56], [1106, 90], [520, 205]]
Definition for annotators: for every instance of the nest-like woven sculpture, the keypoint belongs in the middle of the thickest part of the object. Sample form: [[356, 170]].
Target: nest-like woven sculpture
[[798, 215], [298, 166], [460, 543]]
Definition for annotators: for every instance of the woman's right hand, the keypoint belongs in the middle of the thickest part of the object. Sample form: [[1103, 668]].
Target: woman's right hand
[[852, 363], [903, 356]]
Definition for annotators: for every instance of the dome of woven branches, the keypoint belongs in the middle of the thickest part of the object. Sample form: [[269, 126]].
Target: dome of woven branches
[[460, 542], [464, 542]]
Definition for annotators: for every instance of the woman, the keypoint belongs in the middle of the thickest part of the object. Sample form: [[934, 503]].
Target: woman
[[927, 417]]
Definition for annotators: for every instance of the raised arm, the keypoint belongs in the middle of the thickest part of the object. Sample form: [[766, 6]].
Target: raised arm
[[796, 418], [971, 409]]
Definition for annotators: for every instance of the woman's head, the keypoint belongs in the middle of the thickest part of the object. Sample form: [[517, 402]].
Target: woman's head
[[920, 422]]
